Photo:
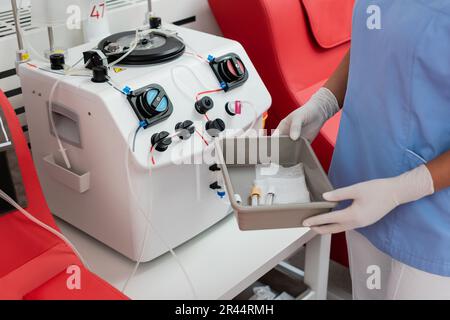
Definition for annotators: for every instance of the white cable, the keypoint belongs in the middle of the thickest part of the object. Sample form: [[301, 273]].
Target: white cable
[[149, 224], [195, 52], [113, 84], [193, 55], [30, 217], [146, 217], [252, 126], [181, 88], [4, 129], [133, 196], [62, 150], [133, 46]]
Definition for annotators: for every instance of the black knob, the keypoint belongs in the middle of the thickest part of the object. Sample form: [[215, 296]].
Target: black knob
[[100, 74], [161, 141], [214, 168], [185, 129], [204, 105], [153, 102], [215, 127], [215, 186], [155, 22], [233, 108], [94, 58], [232, 69], [57, 61]]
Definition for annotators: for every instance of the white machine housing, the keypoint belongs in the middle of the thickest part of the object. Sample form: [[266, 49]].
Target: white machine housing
[[96, 124]]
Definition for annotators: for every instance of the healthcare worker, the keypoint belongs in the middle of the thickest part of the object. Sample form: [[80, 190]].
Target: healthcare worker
[[392, 160]]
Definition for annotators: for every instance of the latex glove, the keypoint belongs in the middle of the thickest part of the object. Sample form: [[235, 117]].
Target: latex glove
[[310, 118], [372, 201]]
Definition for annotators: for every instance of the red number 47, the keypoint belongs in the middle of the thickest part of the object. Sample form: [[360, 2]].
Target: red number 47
[[98, 11]]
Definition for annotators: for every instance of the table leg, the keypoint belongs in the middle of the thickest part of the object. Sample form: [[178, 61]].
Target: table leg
[[317, 264]]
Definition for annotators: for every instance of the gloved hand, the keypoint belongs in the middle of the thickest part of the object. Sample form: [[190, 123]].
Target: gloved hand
[[372, 200], [310, 118]]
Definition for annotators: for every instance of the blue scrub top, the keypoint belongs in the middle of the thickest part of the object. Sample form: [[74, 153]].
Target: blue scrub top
[[396, 117]]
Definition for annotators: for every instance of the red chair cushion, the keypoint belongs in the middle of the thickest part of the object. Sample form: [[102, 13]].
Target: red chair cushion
[[330, 21], [36, 272], [20, 239], [92, 288]]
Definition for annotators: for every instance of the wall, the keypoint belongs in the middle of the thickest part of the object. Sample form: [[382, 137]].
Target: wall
[[123, 15]]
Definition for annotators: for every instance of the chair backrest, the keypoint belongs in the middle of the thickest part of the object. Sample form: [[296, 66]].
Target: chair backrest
[[282, 40], [20, 239]]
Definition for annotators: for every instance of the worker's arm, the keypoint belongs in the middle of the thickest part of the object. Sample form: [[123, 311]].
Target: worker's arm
[[440, 171], [339, 80], [307, 120]]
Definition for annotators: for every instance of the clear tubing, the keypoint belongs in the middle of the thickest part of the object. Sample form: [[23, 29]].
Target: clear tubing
[[3, 129], [254, 119], [134, 197], [133, 46], [30, 217], [149, 224], [179, 87], [194, 52], [62, 150]]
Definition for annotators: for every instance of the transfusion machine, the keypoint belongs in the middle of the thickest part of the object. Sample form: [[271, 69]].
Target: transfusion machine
[[112, 139]]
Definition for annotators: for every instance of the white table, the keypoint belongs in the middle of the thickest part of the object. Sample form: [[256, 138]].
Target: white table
[[221, 262]]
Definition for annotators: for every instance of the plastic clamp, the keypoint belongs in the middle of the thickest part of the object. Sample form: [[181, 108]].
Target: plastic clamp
[[221, 194], [127, 90], [143, 123]]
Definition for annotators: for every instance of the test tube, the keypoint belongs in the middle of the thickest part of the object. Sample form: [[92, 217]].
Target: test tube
[[255, 196], [270, 197]]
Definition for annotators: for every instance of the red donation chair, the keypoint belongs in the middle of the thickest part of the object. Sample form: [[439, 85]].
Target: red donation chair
[[34, 262]]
